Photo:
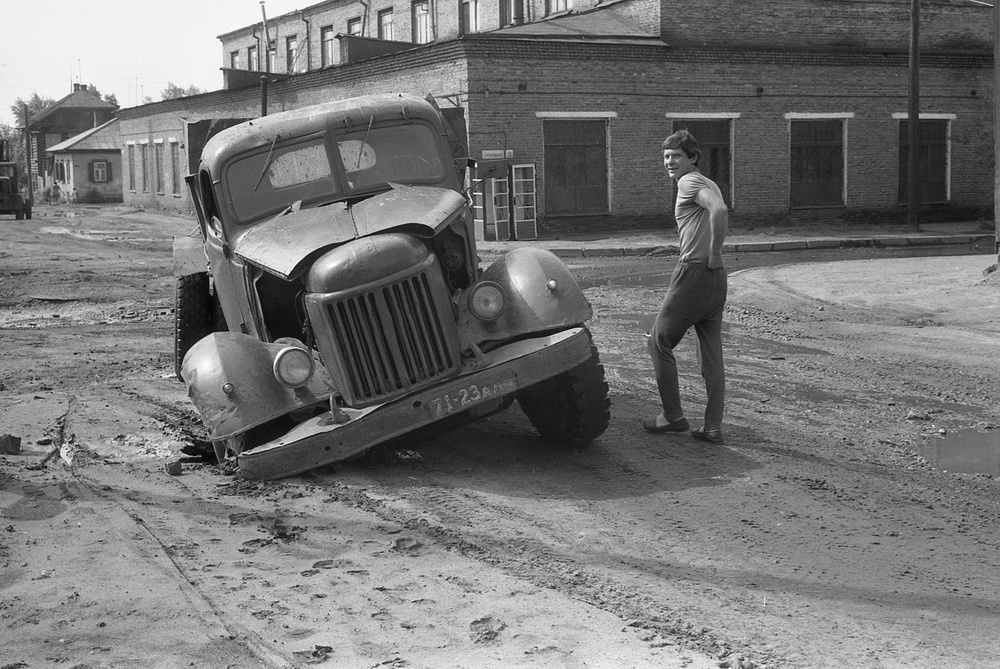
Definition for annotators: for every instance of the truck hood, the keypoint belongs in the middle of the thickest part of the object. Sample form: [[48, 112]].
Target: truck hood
[[284, 244]]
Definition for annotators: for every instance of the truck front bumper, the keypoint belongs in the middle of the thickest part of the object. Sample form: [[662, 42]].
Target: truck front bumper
[[323, 439]]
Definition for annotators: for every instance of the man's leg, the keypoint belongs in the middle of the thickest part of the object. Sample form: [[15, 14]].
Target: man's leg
[[677, 313], [709, 333]]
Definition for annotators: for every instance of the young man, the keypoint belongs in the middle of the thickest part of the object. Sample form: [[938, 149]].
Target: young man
[[696, 295]]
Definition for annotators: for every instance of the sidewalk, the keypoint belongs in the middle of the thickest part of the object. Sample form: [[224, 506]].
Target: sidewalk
[[637, 243]]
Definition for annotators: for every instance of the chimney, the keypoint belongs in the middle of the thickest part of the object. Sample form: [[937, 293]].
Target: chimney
[[79, 87]]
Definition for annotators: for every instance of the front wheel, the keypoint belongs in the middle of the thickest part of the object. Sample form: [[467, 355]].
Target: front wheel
[[572, 408], [196, 315]]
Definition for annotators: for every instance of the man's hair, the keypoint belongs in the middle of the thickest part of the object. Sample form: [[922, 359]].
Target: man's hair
[[685, 141]]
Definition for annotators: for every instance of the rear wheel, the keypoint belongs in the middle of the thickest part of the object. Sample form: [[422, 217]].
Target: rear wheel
[[572, 408], [196, 315]]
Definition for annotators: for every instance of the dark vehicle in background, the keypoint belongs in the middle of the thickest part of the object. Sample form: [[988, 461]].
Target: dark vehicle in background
[[334, 299], [11, 199]]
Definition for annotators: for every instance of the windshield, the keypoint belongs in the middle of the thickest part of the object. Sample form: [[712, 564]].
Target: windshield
[[275, 177]]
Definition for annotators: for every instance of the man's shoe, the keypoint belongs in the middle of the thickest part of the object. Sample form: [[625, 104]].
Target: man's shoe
[[679, 425], [711, 436]]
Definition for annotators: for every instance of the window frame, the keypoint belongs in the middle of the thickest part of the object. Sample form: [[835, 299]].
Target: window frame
[[582, 187], [385, 26], [469, 17], [420, 22], [291, 52], [327, 37], [925, 162], [253, 59], [355, 26], [817, 145]]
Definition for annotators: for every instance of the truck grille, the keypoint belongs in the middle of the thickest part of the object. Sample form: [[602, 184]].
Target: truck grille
[[386, 341]]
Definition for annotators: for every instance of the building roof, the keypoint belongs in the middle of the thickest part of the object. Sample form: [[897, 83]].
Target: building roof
[[593, 25], [106, 137], [78, 99]]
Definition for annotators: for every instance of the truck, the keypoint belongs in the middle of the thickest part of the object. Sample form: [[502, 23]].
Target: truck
[[333, 299], [12, 201]]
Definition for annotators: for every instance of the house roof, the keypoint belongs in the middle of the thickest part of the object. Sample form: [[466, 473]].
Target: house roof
[[598, 24], [106, 137], [78, 99]]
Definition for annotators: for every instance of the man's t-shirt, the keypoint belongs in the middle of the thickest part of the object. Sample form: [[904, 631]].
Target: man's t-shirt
[[694, 228]]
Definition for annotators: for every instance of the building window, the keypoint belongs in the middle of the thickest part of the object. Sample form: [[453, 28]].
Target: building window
[[99, 172], [507, 12], [144, 159], [272, 53], [291, 52], [576, 167], [714, 141], [470, 17], [354, 26], [158, 165], [385, 24], [817, 162], [131, 167], [421, 22], [175, 168], [253, 63], [932, 160], [557, 6], [326, 45], [234, 60]]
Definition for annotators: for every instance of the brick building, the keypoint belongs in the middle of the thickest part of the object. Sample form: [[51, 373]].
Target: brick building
[[800, 107]]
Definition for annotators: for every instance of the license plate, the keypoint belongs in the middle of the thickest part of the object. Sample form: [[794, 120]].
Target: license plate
[[474, 393]]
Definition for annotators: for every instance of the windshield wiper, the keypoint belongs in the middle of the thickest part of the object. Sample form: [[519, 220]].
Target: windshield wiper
[[267, 164]]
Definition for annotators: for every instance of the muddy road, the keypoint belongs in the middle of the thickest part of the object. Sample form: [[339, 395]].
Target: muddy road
[[823, 533]]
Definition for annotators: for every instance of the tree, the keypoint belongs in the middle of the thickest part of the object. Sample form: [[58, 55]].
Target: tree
[[173, 91], [35, 104]]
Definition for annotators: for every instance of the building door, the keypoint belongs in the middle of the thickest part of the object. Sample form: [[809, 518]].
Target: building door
[[576, 167]]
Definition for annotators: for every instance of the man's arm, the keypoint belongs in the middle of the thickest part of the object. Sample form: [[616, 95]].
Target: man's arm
[[718, 216]]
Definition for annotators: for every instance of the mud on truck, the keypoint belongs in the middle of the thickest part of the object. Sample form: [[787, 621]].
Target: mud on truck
[[334, 299]]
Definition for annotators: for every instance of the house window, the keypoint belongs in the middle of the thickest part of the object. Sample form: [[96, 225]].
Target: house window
[[421, 22], [576, 167], [175, 168], [99, 172], [272, 54], [556, 6], [354, 26], [234, 60], [253, 63], [158, 165], [507, 12], [291, 52], [932, 160], [714, 141], [817, 162], [385, 24], [144, 159], [131, 167], [326, 45], [470, 17]]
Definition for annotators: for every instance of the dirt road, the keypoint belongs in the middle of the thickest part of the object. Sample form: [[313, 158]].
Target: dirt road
[[815, 537]]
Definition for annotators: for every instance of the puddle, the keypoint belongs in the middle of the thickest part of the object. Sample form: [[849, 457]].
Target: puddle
[[967, 451]]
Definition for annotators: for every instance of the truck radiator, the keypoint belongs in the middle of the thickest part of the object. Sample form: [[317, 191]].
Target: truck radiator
[[385, 341]]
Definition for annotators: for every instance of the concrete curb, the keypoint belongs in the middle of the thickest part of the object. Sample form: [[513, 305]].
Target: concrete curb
[[625, 249]]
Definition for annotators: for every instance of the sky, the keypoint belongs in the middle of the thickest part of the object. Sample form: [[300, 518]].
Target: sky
[[132, 48]]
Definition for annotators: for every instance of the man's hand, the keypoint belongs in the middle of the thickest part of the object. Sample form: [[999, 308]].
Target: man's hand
[[715, 260]]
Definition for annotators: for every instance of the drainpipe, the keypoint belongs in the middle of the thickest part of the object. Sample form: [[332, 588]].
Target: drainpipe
[[267, 40], [263, 95], [308, 40]]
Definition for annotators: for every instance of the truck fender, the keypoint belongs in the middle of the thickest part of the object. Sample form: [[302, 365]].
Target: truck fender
[[230, 381], [189, 255], [541, 295]]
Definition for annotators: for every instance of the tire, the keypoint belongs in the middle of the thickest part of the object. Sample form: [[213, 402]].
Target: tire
[[18, 214], [572, 408], [196, 315], [27, 212]]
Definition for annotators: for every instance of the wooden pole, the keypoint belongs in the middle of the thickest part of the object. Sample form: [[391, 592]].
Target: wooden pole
[[913, 119], [996, 128]]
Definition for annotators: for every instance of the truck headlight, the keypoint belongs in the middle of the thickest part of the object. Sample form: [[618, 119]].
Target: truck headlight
[[293, 367], [487, 300]]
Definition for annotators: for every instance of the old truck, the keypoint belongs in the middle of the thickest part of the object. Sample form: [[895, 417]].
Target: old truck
[[12, 201], [333, 298]]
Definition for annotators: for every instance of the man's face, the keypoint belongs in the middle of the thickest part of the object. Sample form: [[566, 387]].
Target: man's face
[[677, 163]]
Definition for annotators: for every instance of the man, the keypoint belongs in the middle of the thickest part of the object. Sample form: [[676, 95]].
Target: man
[[696, 295]]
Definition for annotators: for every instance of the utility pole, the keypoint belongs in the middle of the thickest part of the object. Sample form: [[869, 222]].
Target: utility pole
[[913, 118], [996, 128]]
